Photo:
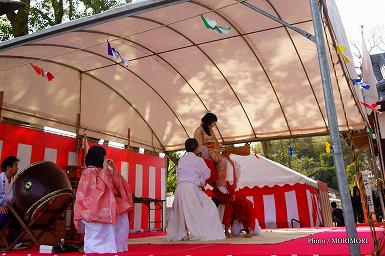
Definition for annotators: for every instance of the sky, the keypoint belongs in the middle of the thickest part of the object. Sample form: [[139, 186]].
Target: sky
[[354, 13]]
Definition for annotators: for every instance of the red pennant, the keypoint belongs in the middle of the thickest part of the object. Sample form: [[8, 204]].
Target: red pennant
[[40, 71], [37, 69], [372, 106], [50, 76]]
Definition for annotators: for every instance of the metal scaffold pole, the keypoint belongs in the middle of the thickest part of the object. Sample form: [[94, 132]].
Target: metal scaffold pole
[[333, 130]]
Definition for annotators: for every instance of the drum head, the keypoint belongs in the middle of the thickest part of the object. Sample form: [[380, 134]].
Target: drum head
[[36, 182]]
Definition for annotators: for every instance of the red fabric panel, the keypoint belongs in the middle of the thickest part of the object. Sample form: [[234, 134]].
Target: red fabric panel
[[158, 195], [145, 212], [259, 210], [213, 176], [62, 157], [147, 160], [303, 207], [280, 207], [9, 149], [37, 153], [131, 180]]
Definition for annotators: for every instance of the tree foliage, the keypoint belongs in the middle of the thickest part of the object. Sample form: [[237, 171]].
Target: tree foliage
[[173, 158], [310, 158], [41, 14]]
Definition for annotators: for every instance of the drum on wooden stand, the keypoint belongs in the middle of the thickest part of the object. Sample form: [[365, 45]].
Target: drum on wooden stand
[[41, 192]]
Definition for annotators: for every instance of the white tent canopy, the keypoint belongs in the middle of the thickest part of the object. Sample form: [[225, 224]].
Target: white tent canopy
[[262, 172], [262, 79]]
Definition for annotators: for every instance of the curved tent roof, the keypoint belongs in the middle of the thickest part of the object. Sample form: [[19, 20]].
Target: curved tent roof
[[262, 79], [260, 171]]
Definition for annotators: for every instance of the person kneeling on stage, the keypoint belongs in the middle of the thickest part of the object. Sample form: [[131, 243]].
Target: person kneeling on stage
[[103, 205], [238, 211], [193, 214]]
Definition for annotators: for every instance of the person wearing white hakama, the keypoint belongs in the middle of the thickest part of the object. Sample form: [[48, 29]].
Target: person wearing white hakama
[[194, 215], [103, 205]]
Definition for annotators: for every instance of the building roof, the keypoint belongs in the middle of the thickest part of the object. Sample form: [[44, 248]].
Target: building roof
[[378, 61]]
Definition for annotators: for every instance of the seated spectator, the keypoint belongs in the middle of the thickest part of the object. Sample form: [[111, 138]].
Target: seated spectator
[[338, 216]]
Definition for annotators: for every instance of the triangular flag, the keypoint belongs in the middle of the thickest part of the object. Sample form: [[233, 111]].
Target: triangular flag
[[372, 106], [340, 50], [109, 49], [345, 58], [40, 71], [115, 54], [212, 24], [49, 76], [37, 69], [363, 85], [208, 23], [328, 147]]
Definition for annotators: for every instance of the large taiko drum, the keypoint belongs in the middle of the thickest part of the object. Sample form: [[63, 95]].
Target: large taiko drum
[[41, 188]]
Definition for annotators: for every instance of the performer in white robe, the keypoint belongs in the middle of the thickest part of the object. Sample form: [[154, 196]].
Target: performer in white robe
[[194, 215]]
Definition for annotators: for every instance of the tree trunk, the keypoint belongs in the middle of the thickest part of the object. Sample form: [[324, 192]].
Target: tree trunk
[[265, 148], [19, 21], [58, 10], [70, 9]]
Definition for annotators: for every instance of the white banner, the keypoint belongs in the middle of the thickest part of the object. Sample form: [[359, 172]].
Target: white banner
[[368, 190]]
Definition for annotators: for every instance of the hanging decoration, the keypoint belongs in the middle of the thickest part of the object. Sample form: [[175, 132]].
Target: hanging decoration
[[361, 84], [212, 24], [372, 106], [341, 51], [370, 133], [40, 71], [328, 147], [291, 151], [116, 54]]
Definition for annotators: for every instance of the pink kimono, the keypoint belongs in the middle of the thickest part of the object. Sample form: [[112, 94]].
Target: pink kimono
[[101, 197]]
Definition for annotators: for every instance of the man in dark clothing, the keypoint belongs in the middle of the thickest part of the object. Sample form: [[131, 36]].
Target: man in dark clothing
[[338, 217]]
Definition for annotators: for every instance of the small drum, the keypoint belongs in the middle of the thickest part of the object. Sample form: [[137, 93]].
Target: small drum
[[41, 188]]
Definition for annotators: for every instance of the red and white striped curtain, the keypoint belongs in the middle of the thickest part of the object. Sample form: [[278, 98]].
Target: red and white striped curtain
[[285, 206], [325, 204], [145, 173]]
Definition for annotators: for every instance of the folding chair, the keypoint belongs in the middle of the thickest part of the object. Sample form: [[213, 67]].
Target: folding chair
[[40, 217]]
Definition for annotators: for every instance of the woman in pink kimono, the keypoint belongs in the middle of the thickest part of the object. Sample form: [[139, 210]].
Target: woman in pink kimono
[[103, 205]]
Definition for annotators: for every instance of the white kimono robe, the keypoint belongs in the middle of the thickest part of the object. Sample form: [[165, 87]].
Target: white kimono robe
[[194, 215]]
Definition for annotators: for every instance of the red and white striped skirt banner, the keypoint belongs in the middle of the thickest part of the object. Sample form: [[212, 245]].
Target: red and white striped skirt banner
[[325, 204], [145, 173], [284, 206]]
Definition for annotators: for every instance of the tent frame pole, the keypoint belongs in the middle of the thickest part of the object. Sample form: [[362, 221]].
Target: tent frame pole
[[279, 20], [333, 129]]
